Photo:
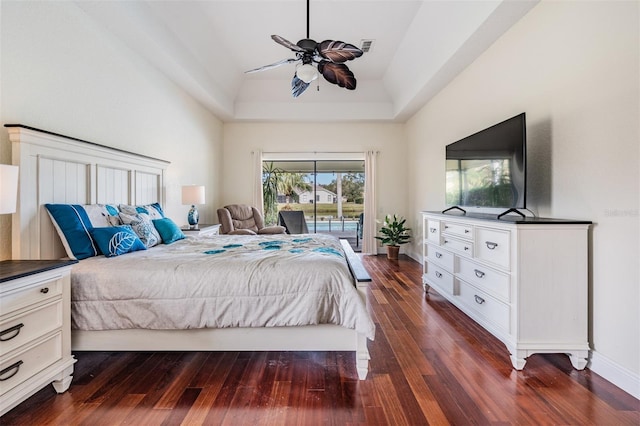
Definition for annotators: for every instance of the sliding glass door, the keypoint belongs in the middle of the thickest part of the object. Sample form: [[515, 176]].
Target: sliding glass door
[[330, 193]]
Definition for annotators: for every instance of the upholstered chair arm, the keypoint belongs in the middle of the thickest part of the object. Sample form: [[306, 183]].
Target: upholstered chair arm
[[257, 216], [226, 224], [272, 230]]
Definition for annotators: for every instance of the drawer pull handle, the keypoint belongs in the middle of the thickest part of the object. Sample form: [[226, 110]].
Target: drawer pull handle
[[44, 290], [466, 231], [446, 227], [432, 230], [438, 255], [15, 366], [438, 274], [15, 329], [466, 247], [479, 273], [479, 300], [491, 245]]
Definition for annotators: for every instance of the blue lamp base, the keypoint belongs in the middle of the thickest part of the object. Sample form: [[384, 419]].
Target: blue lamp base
[[193, 217]]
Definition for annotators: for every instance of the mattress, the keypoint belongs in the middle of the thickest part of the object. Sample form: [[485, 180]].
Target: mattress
[[220, 281]]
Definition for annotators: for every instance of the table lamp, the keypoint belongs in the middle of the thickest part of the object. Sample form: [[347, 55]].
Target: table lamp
[[8, 188], [193, 194]]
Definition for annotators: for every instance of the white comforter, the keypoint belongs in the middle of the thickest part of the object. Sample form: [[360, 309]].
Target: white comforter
[[220, 281]]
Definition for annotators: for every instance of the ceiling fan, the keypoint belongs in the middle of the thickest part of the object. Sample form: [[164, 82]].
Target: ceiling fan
[[329, 55]]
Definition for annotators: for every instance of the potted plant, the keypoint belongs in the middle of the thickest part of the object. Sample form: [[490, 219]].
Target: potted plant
[[393, 233]]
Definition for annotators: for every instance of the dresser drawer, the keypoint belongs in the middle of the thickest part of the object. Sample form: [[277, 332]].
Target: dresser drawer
[[439, 256], [33, 293], [487, 279], [30, 325], [439, 278], [493, 246], [23, 365], [458, 229], [433, 231], [461, 246], [484, 305]]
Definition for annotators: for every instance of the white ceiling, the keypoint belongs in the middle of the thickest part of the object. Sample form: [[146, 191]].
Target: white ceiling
[[206, 46]]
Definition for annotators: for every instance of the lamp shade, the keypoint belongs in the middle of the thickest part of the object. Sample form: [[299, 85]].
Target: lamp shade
[[8, 188], [307, 73], [193, 194]]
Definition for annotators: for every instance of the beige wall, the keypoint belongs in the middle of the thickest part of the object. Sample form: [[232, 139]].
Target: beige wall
[[573, 68], [60, 72], [241, 139]]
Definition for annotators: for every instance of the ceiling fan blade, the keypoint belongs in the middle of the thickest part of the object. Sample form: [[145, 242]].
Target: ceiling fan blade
[[270, 66], [338, 51], [338, 74], [298, 86], [286, 43]]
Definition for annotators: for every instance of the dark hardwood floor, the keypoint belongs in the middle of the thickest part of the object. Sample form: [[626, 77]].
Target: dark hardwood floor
[[430, 364]]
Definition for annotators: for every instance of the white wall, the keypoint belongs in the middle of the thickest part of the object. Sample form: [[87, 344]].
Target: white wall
[[241, 139], [60, 72], [573, 67]]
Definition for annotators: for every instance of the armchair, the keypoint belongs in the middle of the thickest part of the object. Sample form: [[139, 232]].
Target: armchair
[[240, 219]]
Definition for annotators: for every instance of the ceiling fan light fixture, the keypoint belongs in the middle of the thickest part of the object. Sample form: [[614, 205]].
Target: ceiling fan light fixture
[[307, 73]]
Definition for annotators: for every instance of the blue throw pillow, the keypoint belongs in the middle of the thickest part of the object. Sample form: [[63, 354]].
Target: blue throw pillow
[[73, 226], [168, 230], [116, 240]]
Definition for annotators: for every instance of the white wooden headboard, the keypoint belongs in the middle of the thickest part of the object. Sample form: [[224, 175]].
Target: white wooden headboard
[[61, 169]]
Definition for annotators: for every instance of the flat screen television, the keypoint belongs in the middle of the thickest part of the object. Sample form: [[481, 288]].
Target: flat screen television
[[488, 169]]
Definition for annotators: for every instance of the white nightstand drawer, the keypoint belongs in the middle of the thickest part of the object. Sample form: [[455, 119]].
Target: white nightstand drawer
[[437, 255], [489, 308], [29, 325], [23, 365], [464, 247], [493, 246], [487, 279], [459, 229], [37, 292], [439, 278], [433, 231]]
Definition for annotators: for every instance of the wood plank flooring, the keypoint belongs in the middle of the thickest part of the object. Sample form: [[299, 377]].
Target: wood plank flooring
[[430, 364]]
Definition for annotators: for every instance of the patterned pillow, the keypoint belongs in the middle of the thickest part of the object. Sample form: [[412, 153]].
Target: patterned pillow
[[154, 211], [143, 227], [73, 226], [116, 240], [102, 215], [168, 230]]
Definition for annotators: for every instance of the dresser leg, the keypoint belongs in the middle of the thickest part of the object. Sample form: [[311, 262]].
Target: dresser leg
[[64, 380], [518, 359], [579, 359]]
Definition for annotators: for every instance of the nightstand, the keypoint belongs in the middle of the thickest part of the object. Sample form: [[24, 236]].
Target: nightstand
[[202, 229], [35, 328]]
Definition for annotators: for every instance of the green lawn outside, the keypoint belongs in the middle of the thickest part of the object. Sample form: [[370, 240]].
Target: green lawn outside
[[349, 210]]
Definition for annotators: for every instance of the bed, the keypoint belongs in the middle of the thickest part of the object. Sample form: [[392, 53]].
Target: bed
[[299, 315]]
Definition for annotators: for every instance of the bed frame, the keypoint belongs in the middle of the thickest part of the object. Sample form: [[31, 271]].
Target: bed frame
[[59, 169]]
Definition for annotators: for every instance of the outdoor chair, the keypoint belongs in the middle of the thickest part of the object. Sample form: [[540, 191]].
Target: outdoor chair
[[293, 221]]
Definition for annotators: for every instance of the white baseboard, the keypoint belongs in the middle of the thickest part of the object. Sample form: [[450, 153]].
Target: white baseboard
[[623, 378]]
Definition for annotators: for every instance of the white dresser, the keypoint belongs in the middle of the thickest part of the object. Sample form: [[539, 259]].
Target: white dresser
[[525, 280], [35, 328]]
